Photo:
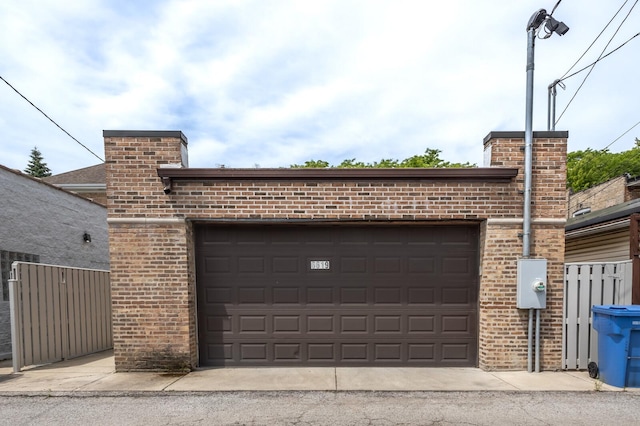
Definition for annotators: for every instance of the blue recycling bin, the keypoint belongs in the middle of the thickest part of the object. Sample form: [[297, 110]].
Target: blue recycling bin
[[618, 328]]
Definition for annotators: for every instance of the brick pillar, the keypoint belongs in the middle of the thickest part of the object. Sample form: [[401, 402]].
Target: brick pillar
[[503, 327], [152, 278]]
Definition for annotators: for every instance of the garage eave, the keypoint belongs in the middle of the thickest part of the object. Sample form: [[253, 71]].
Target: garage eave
[[482, 174]]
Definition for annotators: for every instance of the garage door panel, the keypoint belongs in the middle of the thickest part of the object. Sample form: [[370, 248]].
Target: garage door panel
[[353, 296], [222, 352], [217, 264], [354, 324], [286, 352], [421, 296], [388, 296], [286, 324], [252, 295], [252, 324], [460, 236], [286, 295], [321, 352], [219, 295], [250, 265], [312, 295], [321, 324], [353, 353], [455, 324], [420, 324], [387, 265], [253, 351], [353, 265], [219, 323], [388, 352], [283, 265], [457, 265], [456, 296], [388, 324], [421, 352], [455, 351], [422, 265], [320, 295]]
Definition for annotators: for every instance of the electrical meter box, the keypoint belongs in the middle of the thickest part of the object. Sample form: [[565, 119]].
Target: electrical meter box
[[532, 283]]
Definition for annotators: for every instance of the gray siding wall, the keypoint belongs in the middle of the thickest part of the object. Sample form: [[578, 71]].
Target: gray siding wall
[[40, 219]]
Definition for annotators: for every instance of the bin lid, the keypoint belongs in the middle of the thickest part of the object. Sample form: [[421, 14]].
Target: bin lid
[[617, 310]]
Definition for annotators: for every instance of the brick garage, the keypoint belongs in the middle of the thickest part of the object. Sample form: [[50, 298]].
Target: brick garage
[[155, 239]]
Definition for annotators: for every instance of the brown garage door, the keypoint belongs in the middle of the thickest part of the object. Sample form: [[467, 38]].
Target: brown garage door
[[337, 295]]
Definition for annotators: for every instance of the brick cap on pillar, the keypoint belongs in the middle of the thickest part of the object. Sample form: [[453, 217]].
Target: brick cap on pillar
[[144, 134], [558, 134]]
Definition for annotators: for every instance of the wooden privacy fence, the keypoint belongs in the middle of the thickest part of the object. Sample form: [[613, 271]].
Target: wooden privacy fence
[[58, 313], [585, 285]]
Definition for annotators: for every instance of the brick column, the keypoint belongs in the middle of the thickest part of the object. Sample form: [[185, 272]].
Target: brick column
[[503, 327], [152, 278]]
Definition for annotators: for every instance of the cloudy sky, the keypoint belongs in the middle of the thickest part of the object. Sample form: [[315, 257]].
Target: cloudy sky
[[270, 83]]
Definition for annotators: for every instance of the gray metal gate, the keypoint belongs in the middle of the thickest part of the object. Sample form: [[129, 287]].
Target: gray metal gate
[[585, 285], [58, 313]]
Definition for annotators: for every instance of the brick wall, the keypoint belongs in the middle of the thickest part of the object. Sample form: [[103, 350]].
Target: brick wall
[[599, 197], [152, 260], [99, 197], [503, 329]]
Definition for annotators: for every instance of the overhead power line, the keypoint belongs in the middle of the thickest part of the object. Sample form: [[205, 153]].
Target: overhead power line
[[593, 42], [555, 7], [594, 64], [620, 137], [50, 119], [602, 150]]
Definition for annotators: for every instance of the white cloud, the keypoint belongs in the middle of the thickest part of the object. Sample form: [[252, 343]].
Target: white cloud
[[279, 82]]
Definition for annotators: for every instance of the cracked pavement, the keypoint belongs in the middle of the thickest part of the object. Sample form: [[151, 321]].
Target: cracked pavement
[[322, 408]]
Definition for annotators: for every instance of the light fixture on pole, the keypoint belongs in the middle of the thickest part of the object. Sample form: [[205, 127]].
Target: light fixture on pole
[[551, 25]]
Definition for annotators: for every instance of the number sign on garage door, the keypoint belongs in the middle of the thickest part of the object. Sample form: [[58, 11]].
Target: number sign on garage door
[[278, 295]]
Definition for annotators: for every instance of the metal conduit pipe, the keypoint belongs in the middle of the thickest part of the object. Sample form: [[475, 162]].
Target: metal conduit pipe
[[537, 340], [528, 166], [551, 25]]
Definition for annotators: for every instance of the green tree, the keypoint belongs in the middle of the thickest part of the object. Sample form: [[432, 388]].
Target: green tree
[[430, 159], [590, 167], [311, 164], [37, 167]]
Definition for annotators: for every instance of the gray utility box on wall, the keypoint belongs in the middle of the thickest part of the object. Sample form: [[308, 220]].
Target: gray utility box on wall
[[532, 283]]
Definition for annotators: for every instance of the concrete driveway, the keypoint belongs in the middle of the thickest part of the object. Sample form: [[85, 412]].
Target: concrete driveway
[[96, 373]]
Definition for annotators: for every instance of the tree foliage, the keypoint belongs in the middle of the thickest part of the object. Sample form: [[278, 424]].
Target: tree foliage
[[590, 167], [430, 159], [37, 167]]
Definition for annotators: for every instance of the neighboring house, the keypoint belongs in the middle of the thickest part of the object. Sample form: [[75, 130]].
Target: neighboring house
[[42, 223], [608, 194], [329, 267], [90, 182], [603, 225]]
